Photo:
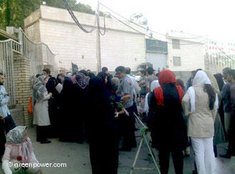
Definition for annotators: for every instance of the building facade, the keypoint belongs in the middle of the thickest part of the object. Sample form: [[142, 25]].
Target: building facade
[[156, 53], [120, 45], [185, 55]]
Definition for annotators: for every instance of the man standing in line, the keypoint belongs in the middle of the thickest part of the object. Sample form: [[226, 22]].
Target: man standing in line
[[127, 121], [225, 94], [53, 102], [4, 111], [150, 77], [136, 88]]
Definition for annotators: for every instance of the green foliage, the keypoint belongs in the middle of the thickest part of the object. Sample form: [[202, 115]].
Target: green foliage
[[13, 12]]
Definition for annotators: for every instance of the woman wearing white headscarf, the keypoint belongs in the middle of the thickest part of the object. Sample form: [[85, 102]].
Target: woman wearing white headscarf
[[41, 115], [200, 105], [18, 150]]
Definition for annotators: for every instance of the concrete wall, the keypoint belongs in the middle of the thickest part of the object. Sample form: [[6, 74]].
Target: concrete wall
[[191, 53], [32, 26], [120, 45]]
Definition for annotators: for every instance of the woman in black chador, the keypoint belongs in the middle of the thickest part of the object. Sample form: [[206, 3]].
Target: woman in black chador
[[66, 116], [102, 129], [53, 108]]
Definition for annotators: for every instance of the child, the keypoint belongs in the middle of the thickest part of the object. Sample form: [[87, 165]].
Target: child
[[18, 149]]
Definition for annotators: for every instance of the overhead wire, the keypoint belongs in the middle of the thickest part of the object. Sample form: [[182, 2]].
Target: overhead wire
[[97, 20], [126, 24], [146, 28], [151, 37], [140, 32], [75, 18], [98, 24]]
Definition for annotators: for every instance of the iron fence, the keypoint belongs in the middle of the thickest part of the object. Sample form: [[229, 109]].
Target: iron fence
[[38, 54], [7, 66]]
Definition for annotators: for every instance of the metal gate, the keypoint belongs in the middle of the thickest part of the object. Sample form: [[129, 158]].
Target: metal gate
[[7, 66]]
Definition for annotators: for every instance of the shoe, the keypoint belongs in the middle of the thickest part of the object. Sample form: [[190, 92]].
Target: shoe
[[228, 156], [45, 142]]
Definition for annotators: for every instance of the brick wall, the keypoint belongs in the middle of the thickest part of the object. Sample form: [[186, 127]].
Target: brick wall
[[17, 115], [22, 85]]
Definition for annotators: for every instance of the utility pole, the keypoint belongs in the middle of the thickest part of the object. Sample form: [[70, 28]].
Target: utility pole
[[98, 52]]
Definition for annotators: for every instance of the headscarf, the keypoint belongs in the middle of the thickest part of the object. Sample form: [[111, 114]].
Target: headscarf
[[81, 80], [115, 82], [39, 88], [103, 76], [201, 78], [214, 83], [95, 87], [166, 77], [15, 137]]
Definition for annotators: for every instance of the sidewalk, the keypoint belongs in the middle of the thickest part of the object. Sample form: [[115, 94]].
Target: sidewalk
[[77, 158]]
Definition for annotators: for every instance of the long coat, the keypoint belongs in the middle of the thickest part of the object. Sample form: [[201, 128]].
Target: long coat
[[200, 122], [102, 130], [168, 128], [41, 115]]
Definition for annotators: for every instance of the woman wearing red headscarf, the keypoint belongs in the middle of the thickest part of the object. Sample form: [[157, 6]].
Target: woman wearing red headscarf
[[168, 129]]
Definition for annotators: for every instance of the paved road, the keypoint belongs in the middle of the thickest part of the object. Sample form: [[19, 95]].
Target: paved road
[[77, 158]]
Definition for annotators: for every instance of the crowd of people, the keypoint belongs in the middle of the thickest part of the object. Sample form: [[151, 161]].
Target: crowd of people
[[100, 109]]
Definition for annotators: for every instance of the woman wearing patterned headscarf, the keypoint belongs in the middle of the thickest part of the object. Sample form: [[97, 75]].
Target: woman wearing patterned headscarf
[[200, 106], [168, 128], [18, 150], [41, 115], [72, 100]]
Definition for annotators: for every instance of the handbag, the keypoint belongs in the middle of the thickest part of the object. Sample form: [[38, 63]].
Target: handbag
[[30, 106]]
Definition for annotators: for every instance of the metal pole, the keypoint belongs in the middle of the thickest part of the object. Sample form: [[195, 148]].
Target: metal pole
[[137, 155], [98, 52], [144, 138], [151, 153]]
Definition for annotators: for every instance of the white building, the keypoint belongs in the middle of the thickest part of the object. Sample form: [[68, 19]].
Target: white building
[[185, 53], [120, 45]]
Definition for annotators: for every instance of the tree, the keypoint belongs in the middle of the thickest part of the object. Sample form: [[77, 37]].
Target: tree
[[13, 12]]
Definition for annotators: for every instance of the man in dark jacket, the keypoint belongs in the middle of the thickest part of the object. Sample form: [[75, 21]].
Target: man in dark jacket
[[225, 94]]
